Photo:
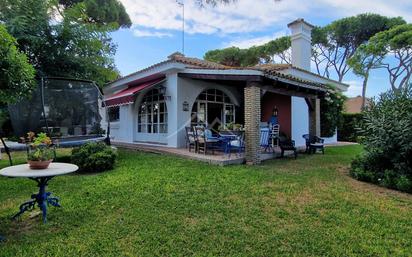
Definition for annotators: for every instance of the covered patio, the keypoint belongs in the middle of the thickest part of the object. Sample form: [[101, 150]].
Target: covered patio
[[258, 95]]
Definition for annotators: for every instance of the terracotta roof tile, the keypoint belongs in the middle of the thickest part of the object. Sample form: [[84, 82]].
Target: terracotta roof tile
[[178, 57], [269, 70]]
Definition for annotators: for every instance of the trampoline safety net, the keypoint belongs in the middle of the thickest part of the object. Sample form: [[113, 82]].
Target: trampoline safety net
[[63, 108]]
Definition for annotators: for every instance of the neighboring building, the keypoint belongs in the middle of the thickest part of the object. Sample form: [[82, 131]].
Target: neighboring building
[[154, 105], [354, 104]]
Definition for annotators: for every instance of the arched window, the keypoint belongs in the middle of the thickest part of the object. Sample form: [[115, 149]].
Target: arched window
[[152, 117], [213, 106]]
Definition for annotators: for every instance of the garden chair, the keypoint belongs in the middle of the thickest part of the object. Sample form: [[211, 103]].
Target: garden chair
[[236, 143], [286, 144], [265, 139], [314, 143], [190, 139], [275, 135], [204, 142]]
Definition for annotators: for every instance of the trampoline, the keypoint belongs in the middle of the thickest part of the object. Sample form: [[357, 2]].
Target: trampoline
[[71, 111]]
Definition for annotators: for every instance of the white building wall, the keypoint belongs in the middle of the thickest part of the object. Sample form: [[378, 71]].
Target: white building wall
[[172, 104], [300, 120], [189, 90], [122, 130], [149, 138]]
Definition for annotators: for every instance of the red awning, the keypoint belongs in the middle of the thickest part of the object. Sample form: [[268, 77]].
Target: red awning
[[127, 96]]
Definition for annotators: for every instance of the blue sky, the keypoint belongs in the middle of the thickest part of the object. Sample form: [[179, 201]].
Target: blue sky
[[156, 29]]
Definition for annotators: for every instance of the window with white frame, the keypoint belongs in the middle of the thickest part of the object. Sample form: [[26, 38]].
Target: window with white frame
[[200, 114], [152, 117]]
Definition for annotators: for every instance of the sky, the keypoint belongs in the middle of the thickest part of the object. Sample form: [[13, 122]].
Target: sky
[[157, 28]]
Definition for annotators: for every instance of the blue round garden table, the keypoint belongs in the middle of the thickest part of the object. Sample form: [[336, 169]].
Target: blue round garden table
[[42, 177]]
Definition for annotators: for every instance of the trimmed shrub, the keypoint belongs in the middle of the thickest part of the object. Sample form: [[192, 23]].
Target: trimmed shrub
[[348, 129], [387, 136], [94, 157]]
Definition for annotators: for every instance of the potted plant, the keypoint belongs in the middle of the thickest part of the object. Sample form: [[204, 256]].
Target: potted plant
[[231, 127], [39, 153]]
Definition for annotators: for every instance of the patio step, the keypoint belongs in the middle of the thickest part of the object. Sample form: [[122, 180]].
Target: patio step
[[216, 159]]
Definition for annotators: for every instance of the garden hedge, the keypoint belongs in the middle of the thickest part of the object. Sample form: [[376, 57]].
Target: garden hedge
[[348, 129], [387, 138]]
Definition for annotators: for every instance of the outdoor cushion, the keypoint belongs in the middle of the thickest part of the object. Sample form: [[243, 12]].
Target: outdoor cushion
[[191, 137], [235, 143], [209, 140], [317, 144], [208, 133]]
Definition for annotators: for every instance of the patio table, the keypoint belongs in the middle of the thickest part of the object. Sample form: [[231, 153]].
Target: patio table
[[42, 177], [226, 139]]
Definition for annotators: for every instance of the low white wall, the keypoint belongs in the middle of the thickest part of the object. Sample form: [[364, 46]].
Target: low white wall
[[300, 120]]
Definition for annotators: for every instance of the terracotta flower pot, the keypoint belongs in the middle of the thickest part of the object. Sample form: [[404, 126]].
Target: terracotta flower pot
[[39, 165]]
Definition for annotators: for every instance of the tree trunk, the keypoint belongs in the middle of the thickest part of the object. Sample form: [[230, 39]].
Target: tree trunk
[[365, 83]]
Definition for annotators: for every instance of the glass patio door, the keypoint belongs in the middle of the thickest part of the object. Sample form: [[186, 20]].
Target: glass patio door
[[211, 107]]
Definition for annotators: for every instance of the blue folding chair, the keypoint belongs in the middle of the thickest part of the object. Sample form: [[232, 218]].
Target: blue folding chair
[[265, 139]]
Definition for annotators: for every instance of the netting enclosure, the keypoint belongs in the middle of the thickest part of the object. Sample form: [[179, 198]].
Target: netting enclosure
[[71, 111]]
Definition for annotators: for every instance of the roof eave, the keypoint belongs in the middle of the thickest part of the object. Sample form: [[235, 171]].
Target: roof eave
[[316, 78], [162, 68]]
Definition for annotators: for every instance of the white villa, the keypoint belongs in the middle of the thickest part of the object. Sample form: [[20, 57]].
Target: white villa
[[154, 105]]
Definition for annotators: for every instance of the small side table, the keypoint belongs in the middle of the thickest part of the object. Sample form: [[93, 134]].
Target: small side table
[[42, 177]]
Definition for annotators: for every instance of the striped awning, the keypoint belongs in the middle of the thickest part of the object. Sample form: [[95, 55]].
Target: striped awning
[[127, 96]]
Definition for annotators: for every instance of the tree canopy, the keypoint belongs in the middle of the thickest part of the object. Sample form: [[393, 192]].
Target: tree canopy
[[16, 74], [233, 56], [337, 48], [391, 50], [335, 43], [101, 11], [274, 51], [66, 38]]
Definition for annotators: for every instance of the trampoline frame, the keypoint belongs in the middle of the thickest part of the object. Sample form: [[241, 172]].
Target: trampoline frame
[[79, 142]]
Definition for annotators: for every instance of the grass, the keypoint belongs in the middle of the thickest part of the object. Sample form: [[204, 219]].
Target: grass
[[156, 205]]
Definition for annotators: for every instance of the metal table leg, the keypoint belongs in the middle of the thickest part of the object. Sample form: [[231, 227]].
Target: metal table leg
[[42, 199]]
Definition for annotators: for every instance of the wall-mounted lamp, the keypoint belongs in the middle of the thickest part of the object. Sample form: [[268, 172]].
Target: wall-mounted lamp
[[162, 91], [185, 106]]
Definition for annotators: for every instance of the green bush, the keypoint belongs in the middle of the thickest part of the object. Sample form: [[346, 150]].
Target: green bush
[[94, 157], [331, 114], [348, 129], [387, 136], [404, 183]]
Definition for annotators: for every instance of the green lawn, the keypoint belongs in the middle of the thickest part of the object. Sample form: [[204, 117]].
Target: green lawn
[[161, 205]]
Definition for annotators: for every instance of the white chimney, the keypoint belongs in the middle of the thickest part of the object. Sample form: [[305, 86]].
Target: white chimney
[[301, 43]]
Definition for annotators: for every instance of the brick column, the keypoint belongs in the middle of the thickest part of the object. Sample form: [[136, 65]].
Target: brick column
[[314, 117], [252, 123]]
